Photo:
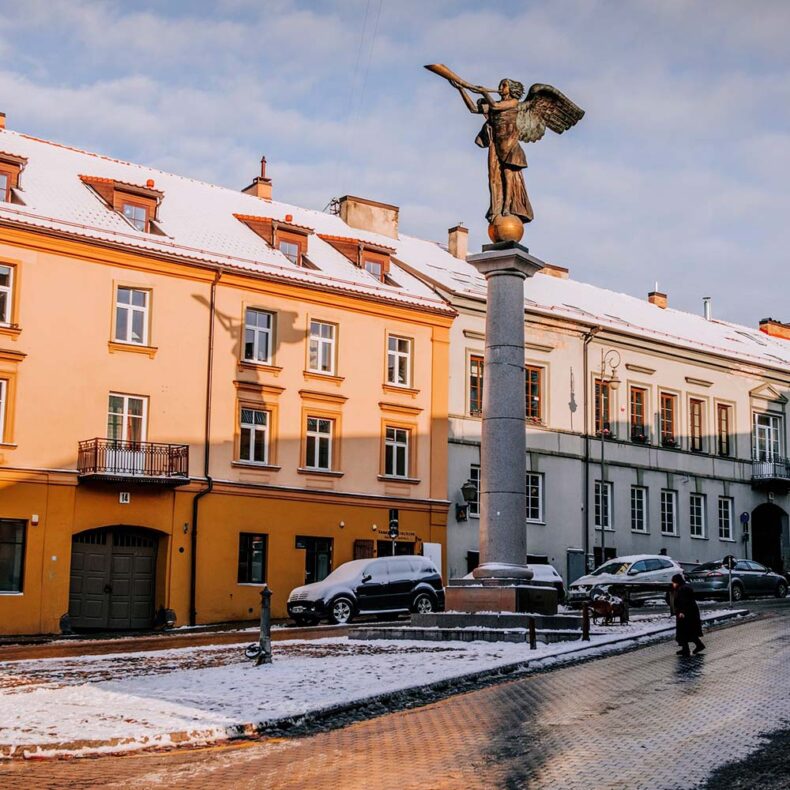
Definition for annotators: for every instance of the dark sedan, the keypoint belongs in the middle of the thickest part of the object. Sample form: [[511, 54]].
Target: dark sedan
[[382, 586], [711, 580]]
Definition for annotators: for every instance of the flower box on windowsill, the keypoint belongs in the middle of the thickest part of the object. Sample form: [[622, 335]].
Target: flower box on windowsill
[[639, 438], [668, 441]]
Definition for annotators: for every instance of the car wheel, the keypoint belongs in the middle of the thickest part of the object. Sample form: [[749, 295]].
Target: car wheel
[[341, 611], [423, 604], [781, 590], [737, 592]]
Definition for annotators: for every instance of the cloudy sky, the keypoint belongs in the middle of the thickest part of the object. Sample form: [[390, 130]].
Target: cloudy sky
[[678, 172]]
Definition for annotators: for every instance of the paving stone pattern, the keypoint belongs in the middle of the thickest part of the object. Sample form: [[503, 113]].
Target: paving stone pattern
[[645, 719]]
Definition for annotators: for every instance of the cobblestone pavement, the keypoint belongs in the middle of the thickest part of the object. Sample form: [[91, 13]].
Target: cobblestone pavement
[[643, 719]]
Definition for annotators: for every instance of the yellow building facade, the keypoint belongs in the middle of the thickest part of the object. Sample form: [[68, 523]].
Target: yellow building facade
[[191, 408]]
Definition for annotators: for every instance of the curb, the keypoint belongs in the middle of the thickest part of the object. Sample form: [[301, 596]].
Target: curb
[[375, 704]]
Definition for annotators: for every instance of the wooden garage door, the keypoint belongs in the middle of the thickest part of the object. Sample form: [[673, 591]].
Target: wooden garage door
[[113, 579]]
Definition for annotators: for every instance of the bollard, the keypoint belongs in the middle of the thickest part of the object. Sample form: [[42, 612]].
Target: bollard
[[585, 622], [533, 637], [265, 640], [625, 614]]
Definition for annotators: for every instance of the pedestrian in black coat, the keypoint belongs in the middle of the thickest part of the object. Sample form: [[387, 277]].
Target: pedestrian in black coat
[[688, 624]]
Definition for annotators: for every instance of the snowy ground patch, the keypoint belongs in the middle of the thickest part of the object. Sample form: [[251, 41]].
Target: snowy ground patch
[[129, 701]]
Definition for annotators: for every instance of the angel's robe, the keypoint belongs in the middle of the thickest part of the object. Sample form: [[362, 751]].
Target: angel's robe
[[506, 160]]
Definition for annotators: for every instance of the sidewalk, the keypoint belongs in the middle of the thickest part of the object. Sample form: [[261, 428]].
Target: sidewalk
[[159, 699]]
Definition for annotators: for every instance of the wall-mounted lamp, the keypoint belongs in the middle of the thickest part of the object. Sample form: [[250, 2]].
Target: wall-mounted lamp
[[34, 519], [342, 524], [375, 528], [469, 493]]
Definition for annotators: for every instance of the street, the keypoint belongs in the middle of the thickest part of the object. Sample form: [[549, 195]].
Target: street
[[641, 719]]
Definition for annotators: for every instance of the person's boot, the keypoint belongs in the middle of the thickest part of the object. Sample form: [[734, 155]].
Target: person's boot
[[698, 646], [684, 651]]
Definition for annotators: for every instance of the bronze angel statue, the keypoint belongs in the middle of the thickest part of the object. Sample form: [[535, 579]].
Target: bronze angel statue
[[509, 122]]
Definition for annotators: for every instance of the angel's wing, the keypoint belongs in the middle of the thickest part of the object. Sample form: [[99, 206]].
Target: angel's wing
[[545, 106]]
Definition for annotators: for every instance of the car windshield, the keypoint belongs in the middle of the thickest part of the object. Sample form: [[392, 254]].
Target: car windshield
[[347, 571], [707, 566], [614, 567]]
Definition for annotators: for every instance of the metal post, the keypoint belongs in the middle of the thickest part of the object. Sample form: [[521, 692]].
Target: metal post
[[533, 637], [729, 580], [625, 615], [265, 640], [604, 489], [585, 622]]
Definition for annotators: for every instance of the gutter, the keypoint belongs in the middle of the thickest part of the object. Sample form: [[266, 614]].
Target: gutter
[[206, 457]]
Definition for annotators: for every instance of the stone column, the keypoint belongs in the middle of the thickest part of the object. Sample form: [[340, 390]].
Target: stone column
[[503, 496]]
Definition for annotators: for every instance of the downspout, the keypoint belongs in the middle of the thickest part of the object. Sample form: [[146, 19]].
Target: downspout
[[206, 455], [588, 336]]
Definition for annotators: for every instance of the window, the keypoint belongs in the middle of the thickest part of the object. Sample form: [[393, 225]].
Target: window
[[137, 215], [667, 419], [603, 505], [474, 502], [399, 361], [258, 336], [319, 443], [603, 399], [322, 347], [638, 509], [254, 436], [12, 554], [767, 429], [3, 402], [126, 418], [5, 187], [697, 510], [252, 558], [725, 518], [638, 405], [723, 422], [475, 385], [131, 316], [375, 268], [6, 293], [534, 497], [534, 401], [669, 512], [695, 416], [291, 250], [396, 452]]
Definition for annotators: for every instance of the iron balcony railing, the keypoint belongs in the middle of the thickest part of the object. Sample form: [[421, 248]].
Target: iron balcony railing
[[116, 459], [774, 468]]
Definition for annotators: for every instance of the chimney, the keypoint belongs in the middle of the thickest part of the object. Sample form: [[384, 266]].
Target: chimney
[[554, 271], [658, 299], [261, 187], [2, 120], [369, 215], [775, 328], [458, 241], [706, 307]]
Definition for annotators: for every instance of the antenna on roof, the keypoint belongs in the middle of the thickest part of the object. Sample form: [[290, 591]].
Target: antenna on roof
[[333, 207]]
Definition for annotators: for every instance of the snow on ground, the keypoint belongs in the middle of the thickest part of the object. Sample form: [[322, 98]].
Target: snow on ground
[[128, 701]]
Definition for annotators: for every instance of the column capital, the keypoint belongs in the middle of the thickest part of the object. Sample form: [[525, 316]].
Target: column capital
[[506, 257]]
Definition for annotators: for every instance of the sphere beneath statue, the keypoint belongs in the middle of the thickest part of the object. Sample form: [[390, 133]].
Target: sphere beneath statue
[[506, 228]]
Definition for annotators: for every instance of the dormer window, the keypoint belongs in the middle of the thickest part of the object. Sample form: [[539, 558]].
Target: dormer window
[[282, 235], [10, 168], [376, 268], [138, 205], [291, 249], [373, 258]]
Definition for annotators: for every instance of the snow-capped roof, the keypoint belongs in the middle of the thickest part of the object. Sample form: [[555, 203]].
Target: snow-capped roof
[[197, 220], [590, 304]]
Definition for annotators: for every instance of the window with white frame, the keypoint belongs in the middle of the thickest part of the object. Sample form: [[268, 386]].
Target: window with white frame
[[399, 361], [669, 512], [697, 516], [638, 509], [131, 315], [318, 443], [725, 518], [534, 497], [290, 249], [126, 418], [603, 505], [258, 326], [767, 433], [474, 502], [137, 215], [254, 435], [322, 347], [6, 293], [396, 452]]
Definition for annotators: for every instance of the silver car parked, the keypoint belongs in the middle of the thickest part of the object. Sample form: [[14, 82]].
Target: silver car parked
[[712, 580]]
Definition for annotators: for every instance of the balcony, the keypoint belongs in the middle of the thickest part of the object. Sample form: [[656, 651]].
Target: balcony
[[771, 475], [133, 462]]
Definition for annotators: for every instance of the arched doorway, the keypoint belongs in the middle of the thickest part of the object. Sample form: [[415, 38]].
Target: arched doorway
[[770, 541], [113, 578]]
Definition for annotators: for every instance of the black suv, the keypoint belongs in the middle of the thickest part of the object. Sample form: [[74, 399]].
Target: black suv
[[386, 585]]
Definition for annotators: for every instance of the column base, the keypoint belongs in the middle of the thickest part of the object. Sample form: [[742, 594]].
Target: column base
[[499, 595]]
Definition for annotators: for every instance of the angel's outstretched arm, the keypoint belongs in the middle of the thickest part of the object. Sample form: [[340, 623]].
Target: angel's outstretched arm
[[468, 100]]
